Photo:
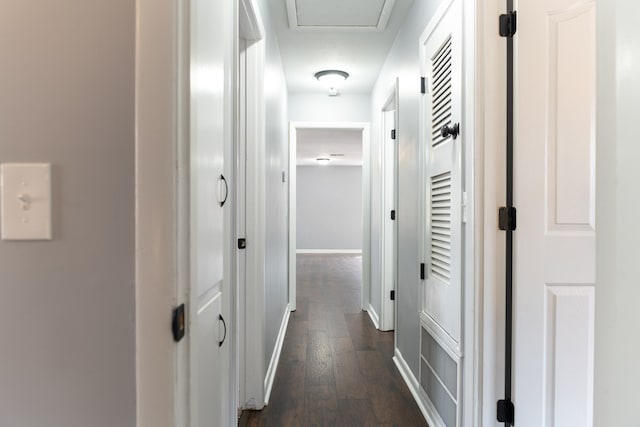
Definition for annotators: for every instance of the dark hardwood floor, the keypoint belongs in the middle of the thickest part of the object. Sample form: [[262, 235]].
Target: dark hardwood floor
[[335, 368]]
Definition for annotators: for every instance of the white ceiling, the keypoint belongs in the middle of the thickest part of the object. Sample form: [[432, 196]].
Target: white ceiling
[[337, 37], [314, 143]]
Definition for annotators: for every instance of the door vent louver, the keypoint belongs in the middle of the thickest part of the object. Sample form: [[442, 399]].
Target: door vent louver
[[441, 227], [441, 102]]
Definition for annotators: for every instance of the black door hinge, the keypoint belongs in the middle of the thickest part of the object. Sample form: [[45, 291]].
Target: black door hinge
[[422, 271], [393, 295], [242, 243], [393, 215], [423, 85], [393, 134], [508, 24], [506, 411], [507, 218], [178, 324]]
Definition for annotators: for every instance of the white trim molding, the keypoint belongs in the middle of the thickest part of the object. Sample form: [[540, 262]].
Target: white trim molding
[[161, 375], [329, 251], [373, 316], [275, 357], [252, 308]]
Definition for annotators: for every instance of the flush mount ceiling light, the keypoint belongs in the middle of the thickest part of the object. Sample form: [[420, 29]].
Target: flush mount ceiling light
[[332, 79], [323, 160]]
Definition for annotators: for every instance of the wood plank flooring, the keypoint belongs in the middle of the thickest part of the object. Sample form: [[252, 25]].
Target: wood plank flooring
[[335, 368]]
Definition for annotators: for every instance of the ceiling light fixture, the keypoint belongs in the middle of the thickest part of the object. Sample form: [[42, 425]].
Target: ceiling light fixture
[[323, 160], [332, 79]]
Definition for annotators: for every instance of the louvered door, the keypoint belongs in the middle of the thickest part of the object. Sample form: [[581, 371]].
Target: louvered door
[[442, 176]]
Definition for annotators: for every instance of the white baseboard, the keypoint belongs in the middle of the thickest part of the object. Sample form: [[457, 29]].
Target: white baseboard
[[275, 357], [374, 316], [428, 411], [329, 251]]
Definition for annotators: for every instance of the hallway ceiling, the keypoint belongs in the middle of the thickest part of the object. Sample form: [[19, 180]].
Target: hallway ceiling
[[314, 143], [348, 35]]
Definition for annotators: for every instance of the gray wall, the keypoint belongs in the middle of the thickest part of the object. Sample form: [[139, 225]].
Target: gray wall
[[617, 270], [277, 199], [67, 356], [329, 207], [402, 62], [314, 107]]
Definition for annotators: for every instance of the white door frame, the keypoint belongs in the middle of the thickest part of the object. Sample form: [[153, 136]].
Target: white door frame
[[366, 202], [161, 399], [473, 114], [387, 312], [250, 304], [490, 136]]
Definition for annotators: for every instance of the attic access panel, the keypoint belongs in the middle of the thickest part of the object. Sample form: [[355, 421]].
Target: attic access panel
[[339, 14]]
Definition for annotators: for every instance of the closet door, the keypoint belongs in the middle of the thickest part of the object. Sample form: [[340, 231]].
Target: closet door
[[442, 194]]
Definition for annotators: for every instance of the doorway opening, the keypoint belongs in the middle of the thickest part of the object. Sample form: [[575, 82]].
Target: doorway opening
[[332, 182], [389, 201]]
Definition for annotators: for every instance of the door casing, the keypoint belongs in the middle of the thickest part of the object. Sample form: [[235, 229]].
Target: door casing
[[389, 236], [250, 218], [366, 203]]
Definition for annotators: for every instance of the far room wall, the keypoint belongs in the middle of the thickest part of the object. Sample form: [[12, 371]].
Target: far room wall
[[329, 208], [318, 107]]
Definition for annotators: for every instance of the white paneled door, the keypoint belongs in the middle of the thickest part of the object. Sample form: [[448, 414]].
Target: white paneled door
[[209, 338], [554, 243]]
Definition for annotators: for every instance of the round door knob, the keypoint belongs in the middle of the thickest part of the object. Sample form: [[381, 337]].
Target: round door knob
[[450, 131]]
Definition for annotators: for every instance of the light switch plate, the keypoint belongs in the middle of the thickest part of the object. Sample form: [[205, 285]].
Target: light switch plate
[[25, 197]]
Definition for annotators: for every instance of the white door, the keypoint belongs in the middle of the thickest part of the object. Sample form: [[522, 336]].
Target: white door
[[441, 229], [209, 134], [554, 193], [389, 215], [442, 236]]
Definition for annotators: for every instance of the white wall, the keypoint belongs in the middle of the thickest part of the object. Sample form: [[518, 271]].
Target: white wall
[[617, 270], [314, 107], [277, 158], [329, 207], [403, 63], [67, 305]]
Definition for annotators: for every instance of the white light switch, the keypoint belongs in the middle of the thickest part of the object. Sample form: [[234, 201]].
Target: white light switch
[[25, 190]]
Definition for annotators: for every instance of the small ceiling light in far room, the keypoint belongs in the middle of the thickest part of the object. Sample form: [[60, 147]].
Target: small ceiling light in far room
[[332, 79], [323, 161]]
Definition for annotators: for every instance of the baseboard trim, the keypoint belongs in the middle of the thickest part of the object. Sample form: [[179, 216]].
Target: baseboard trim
[[425, 406], [329, 251], [374, 316], [275, 357]]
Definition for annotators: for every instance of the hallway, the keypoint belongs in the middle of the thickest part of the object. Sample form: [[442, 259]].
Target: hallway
[[335, 368]]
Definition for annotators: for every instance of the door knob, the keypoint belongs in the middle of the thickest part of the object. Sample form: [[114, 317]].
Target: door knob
[[452, 131]]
